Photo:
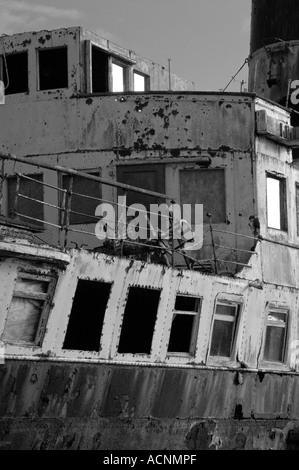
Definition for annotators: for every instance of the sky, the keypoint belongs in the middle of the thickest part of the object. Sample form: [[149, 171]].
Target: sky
[[206, 40]]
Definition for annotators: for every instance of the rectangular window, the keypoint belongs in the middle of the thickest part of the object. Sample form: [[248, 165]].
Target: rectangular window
[[29, 308], [87, 316], [141, 82], [14, 72], [276, 334], [118, 77], [53, 68], [139, 321], [205, 187], [184, 325], [30, 192], [276, 203], [86, 196], [224, 329], [151, 177], [100, 68]]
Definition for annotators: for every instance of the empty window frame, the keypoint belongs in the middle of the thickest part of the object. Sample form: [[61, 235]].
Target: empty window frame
[[276, 203], [118, 72], [139, 321], [141, 82], [86, 196], [87, 316], [276, 335], [99, 70], [29, 308], [205, 187], [29, 207], [14, 72], [184, 327], [224, 329], [53, 68]]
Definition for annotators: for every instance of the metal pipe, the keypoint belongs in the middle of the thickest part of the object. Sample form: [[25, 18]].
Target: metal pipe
[[70, 171]]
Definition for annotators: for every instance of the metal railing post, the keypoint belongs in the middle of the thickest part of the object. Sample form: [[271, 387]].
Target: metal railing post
[[68, 206]]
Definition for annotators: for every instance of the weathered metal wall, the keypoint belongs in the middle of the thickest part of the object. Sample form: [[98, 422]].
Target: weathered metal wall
[[75, 406], [272, 20]]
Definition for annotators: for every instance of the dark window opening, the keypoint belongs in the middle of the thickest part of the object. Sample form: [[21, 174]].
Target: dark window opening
[[184, 325], [205, 187], [29, 208], [87, 316], [224, 330], [275, 336], [14, 72], [53, 68], [83, 208], [139, 321], [100, 70]]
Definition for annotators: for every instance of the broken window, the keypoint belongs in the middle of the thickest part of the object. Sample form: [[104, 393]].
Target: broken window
[[276, 203], [184, 325], [224, 329], [53, 68], [14, 72], [139, 321], [28, 310], [205, 187], [140, 82], [100, 70], [87, 316], [26, 204], [86, 196], [276, 333]]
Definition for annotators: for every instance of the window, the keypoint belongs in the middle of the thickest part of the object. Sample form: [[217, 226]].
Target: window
[[276, 203], [86, 195], [140, 82], [205, 187], [30, 188], [151, 177], [100, 67], [224, 329], [14, 72], [184, 325], [139, 321], [28, 310], [53, 68], [276, 334], [118, 77], [87, 316]]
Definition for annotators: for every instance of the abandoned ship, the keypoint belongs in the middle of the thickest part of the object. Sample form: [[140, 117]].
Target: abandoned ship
[[130, 345]]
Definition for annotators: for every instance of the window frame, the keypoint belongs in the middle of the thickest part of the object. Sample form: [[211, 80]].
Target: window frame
[[41, 49], [2, 71], [47, 302], [282, 309], [238, 308], [282, 199], [146, 81], [194, 333], [91, 171]]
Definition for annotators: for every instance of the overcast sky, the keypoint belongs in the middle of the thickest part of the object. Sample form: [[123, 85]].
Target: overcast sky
[[206, 40]]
